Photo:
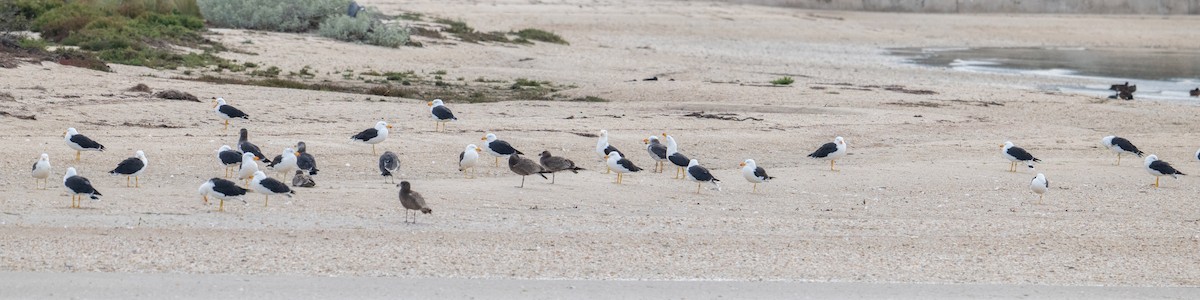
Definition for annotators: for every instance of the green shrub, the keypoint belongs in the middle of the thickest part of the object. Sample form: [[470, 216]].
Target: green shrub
[[272, 15], [540, 35], [786, 80], [365, 28]]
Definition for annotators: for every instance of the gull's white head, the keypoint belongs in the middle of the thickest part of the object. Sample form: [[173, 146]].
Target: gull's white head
[[1107, 141], [72, 131], [1007, 144], [748, 163], [1151, 158], [489, 137], [248, 157], [140, 154], [259, 175], [839, 140], [381, 125], [45, 157], [472, 147], [71, 172], [225, 148], [436, 102], [693, 163]]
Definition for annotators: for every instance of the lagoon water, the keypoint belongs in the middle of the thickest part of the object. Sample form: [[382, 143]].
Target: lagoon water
[[1164, 75]]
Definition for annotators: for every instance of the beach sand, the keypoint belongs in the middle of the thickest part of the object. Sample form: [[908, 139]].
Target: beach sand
[[923, 197]]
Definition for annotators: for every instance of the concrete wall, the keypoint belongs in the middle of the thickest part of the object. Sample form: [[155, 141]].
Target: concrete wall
[[1156, 7]]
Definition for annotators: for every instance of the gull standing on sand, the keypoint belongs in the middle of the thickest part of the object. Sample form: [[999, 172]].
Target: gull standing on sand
[[389, 164], [658, 152], [285, 163], [678, 159], [227, 112], [79, 186], [699, 174], [269, 186], [831, 152], [441, 114], [524, 167], [373, 135], [754, 174], [41, 172], [80, 143], [305, 161], [222, 190], [1159, 168], [1039, 185], [246, 146], [1016, 154], [1120, 146], [468, 159], [132, 166], [228, 158], [557, 163], [412, 200], [248, 168], [498, 148], [603, 148], [620, 165]]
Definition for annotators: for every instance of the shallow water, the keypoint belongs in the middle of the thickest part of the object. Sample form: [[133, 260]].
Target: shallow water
[[1167, 75]]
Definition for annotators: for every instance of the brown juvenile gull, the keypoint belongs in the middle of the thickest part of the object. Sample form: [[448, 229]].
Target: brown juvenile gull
[[412, 201], [524, 167], [303, 180], [554, 164]]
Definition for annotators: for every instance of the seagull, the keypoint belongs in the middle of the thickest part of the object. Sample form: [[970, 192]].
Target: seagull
[[1015, 154], [132, 166], [754, 174], [303, 180], [246, 146], [80, 142], [205, 189], [285, 163], [620, 165], [269, 186], [389, 163], [228, 158], [441, 114], [1039, 185], [678, 159], [1120, 145], [373, 135], [524, 167], [79, 186], [603, 148], [305, 161], [227, 112], [498, 148], [248, 167], [557, 163], [468, 159], [831, 151], [1159, 168], [222, 190], [699, 174], [412, 200], [41, 171], [657, 151]]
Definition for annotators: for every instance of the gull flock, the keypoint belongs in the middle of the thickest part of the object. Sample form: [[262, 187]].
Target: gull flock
[[298, 166]]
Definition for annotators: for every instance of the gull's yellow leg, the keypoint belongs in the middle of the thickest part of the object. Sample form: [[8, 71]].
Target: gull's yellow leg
[[135, 182], [755, 188], [76, 155], [1118, 158], [1156, 181], [697, 187], [221, 207], [266, 198]]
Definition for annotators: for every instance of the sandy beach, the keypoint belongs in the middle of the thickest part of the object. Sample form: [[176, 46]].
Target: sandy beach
[[923, 198]]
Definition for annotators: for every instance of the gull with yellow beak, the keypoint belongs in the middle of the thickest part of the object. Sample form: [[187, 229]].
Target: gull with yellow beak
[[754, 174], [227, 112], [831, 152], [80, 143], [620, 165], [441, 114], [373, 135], [498, 148], [468, 159]]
